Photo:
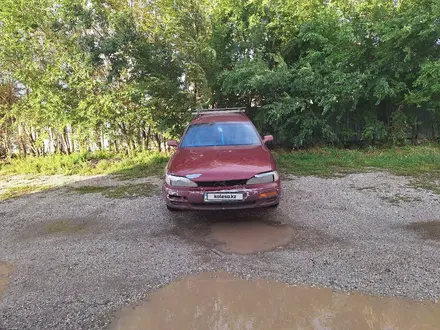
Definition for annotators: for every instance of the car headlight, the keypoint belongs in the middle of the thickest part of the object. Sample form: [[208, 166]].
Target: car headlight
[[264, 178], [179, 181]]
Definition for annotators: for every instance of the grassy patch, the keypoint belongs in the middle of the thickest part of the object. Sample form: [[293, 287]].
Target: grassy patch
[[398, 198], [139, 168], [427, 182], [124, 191], [15, 192], [141, 165], [326, 162], [421, 162], [65, 227], [90, 189]]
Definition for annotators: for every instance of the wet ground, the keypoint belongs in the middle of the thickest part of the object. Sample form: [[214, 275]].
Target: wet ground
[[88, 250], [429, 230], [221, 301], [247, 231], [5, 270], [253, 236]]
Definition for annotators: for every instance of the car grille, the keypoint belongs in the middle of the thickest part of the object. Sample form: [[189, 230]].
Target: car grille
[[227, 183]]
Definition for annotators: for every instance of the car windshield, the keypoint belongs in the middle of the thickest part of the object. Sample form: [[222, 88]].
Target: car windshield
[[220, 134]]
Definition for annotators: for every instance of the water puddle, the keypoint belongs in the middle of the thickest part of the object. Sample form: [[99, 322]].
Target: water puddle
[[5, 270], [249, 236], [65, 227], [247, 232], [220, 301], [427, 229]]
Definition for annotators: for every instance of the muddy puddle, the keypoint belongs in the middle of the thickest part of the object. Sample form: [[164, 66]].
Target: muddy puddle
[[427, 230], [72, 226], [5, 270], [247, 232], [221, 301], [249, 236]]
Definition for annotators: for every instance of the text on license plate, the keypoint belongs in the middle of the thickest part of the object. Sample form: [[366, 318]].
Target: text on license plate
[[218, 197]]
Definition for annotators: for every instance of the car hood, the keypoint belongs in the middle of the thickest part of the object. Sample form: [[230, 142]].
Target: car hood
[[221, 163]]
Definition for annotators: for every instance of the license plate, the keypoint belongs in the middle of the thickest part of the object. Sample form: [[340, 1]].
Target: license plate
[[223, 197]]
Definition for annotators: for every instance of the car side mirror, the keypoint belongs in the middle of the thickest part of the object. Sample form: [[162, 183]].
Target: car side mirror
[[172, 143], [267, 138]]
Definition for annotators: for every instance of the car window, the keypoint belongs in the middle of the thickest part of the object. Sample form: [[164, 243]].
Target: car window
[[220, 134]]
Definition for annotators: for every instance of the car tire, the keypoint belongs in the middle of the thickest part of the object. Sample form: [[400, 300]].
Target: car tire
[[274, 206], [172, 209]]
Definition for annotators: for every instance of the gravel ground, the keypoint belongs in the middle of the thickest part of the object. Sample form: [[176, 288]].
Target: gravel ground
[[79, 258]]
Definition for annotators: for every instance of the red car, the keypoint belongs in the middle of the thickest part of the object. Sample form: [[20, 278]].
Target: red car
[[221, 163]]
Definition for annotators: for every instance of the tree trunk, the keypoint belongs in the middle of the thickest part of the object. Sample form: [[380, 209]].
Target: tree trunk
[[143, 138], [22, 150], [102, 139], [148, 138], [8, 145], [64, 147], [23, 147], [34, 137], [68, 138], [129, 148], [56, 145], [156, 136], [51, 146]]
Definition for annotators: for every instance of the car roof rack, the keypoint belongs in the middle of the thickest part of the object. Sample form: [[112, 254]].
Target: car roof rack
[[201, 112]]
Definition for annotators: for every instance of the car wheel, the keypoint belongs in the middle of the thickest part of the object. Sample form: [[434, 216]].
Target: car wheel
[[274, 206]]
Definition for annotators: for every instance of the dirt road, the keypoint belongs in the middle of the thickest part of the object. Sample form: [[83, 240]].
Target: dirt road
[[75, 255]]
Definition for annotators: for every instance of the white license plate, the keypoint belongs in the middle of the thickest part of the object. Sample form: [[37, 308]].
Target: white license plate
[[223, 197]]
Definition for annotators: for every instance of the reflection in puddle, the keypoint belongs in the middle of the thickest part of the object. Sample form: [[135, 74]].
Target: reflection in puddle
[[220, 301], [249, 236], [5, 270]]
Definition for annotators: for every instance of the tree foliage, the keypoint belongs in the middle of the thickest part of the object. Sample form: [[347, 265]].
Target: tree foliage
[[120, 74]]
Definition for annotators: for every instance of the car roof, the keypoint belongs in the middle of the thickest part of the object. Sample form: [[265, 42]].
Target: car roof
[[227, 117]]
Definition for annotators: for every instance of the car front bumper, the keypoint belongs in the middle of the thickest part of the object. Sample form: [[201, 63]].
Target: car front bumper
[[254, 196]]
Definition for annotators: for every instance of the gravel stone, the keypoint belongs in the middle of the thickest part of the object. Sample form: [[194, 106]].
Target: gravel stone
[[352, 233]]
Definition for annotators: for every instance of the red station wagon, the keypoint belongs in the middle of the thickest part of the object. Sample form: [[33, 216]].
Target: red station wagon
[[221, 163]]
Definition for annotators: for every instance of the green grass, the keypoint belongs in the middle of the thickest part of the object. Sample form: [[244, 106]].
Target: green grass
[[141, 165], [427, 182], [18, 191], [327, 162], [420, 162]]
